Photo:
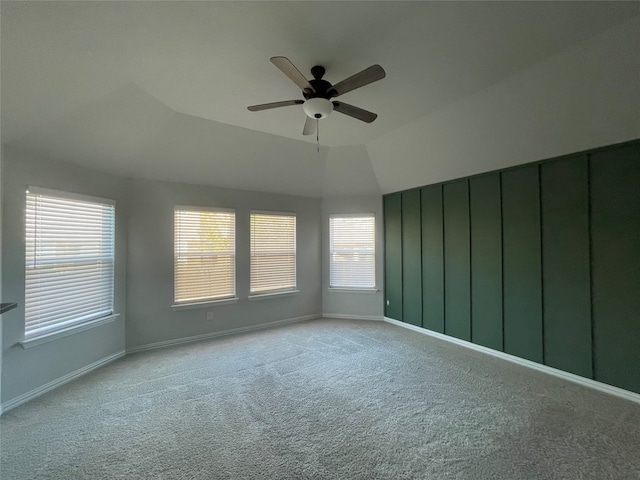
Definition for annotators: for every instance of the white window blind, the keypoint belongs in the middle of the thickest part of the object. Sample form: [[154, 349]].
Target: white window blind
[[352, 251], [204, 254], [273, 252], [69, 260]]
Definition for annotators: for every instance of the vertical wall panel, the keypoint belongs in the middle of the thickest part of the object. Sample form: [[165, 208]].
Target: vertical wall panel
[[522, 263], [411, 259], [615, 230], [393, 256], [564, 189], [457, 268], [486, 261], [432, 259]]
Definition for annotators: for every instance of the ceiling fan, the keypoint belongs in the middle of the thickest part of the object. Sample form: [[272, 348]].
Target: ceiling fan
[[318, 93]]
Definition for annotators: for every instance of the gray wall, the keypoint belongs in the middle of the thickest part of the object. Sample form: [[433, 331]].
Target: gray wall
[[349, 303], [24, 370], [150, 318]]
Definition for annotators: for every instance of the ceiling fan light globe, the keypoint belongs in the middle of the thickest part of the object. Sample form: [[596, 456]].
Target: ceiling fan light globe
[[317, 108]]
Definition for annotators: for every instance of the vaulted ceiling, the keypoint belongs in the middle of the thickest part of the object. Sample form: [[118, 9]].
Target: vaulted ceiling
[[159, 90]]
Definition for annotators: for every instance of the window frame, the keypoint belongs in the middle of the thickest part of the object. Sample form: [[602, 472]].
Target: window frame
[[283, 291], [66, 325], [203, 301], [344, 287]]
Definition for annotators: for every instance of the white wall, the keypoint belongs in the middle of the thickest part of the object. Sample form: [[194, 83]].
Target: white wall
[[27, 369], [348, 172], [585, 97], [350, 303], [150, 317]]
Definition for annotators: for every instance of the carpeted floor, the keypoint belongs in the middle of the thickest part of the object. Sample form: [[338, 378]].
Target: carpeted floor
[[325, 399]]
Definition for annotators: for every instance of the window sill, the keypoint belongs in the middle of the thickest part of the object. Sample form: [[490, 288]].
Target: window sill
[[265, 296], [50, 337], [352, 290], [208, 303]]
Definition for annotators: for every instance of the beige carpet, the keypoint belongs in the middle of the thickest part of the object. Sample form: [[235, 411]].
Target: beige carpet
[[325, 399]]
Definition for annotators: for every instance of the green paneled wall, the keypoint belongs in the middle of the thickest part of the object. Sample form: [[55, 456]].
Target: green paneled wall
[[566, 277], [393, 255], [486, 261], [411, 259], [615, 233], [521, 257], [541, 260], [432, 259], [457, 268]]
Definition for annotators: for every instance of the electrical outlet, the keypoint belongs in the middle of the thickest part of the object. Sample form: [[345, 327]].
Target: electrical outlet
[[209, 315], [387, 303]]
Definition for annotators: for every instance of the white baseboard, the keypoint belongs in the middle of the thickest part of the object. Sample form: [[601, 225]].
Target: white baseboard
[[36, 392], [586, 382], [342, 316], [233, 331]]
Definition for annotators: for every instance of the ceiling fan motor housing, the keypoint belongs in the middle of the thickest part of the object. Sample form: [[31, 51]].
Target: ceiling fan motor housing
[[322, 87]]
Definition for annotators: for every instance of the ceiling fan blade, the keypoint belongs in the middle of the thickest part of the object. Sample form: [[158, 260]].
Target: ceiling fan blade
[[365, 77], [354, 112], [290, 70], [267, 106], [309, 126]]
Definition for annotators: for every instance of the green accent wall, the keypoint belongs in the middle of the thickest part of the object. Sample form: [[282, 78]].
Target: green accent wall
[[432, 259], [457, 278], [615, 233], [541, 261], [411, 258], [486, 261], [566, 274], [521, 258], [392, 208]]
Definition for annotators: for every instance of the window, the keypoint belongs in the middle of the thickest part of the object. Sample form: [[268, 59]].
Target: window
[[204, 254], [352, 251], [69, 260], [273, 252]]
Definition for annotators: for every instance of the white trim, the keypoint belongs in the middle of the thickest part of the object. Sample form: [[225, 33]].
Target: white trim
[[342, 316], [205, 336], [265, 296], [194, 208], [352, 215], [272, 212], [57, 334], [69, 195], [353, 290], [36, 392], [208, 303], [586, 382]]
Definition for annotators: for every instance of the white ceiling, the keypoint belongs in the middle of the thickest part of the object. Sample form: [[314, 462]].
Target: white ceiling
[[159, 89]]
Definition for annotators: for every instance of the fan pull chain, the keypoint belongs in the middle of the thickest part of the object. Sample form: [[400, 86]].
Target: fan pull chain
[[318, 134]]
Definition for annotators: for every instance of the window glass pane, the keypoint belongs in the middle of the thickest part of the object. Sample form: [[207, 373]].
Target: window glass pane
[[204, 255], [352, 251], [69, 261], [273, 252]]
